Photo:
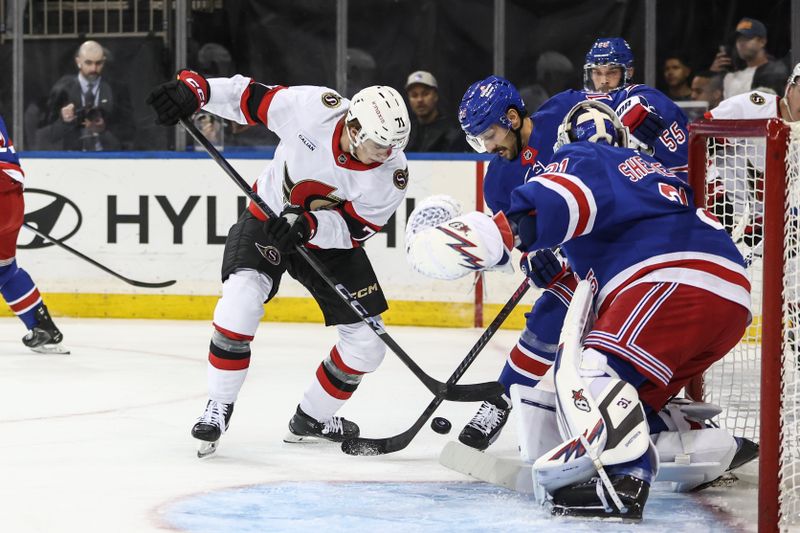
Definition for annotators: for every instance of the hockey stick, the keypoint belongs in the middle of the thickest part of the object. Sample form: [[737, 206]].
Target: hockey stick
[[447, 391], [60, 244], [364, 446]]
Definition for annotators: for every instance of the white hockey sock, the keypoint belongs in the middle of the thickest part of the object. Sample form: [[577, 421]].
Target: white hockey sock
[[224, 385], [318, 404]]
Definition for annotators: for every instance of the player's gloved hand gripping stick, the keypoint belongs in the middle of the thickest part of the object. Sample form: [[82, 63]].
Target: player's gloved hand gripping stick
[[446, 391]]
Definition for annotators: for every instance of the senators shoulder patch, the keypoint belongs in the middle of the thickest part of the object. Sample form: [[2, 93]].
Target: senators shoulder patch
[[331, 100], [400, 178], [757, 99]]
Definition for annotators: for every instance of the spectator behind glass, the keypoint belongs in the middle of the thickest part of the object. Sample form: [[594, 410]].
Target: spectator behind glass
[[760, 67], [554, 73], [430, 130], [84, 110], [676, 76], [707, 87]]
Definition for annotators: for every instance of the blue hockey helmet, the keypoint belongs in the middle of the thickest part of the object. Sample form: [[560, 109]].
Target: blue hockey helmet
[[484, 104], [593, 121], [611, 51]]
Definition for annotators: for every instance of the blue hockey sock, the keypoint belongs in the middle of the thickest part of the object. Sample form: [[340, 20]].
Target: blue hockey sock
[[20, 292]]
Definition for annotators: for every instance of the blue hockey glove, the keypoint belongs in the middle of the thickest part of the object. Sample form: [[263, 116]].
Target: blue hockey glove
[[542, 267], [642, 120]]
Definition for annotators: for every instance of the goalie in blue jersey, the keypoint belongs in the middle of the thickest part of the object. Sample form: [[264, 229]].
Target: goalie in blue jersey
[[657, 270]]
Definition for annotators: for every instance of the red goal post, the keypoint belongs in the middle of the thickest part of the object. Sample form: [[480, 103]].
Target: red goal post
[[746, 173]]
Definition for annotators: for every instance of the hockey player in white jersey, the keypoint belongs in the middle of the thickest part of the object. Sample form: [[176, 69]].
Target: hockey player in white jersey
[[337, 177], [736, 166]]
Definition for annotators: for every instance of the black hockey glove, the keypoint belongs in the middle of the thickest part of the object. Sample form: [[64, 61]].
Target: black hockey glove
[[294, 226], [179, 98], [542, 267]]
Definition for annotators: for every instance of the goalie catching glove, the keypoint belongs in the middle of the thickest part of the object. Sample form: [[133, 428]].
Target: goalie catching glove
[[461, 245], [179, 98]]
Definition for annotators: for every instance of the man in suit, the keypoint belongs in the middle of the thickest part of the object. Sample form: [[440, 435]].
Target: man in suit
[[86, 111]]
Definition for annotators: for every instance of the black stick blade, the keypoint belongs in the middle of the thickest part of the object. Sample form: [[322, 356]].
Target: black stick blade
[[476, 392], [364, 447]]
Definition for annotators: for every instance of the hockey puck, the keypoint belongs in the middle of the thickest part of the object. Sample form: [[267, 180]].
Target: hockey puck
[[441, 425]]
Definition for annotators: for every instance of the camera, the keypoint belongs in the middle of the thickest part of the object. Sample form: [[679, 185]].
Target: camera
[[88, 113]]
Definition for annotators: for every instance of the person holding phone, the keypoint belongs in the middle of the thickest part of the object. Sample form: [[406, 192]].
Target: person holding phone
[[750, 67]]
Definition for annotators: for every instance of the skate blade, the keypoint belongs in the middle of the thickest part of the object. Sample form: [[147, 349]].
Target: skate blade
[[291, 438], [204, 449], [50, 349]]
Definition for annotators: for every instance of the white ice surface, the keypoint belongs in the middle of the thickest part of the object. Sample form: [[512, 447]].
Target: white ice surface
[[99, 440]]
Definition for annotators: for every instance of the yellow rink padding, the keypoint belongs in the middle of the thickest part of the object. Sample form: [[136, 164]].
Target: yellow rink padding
[[180, 307]]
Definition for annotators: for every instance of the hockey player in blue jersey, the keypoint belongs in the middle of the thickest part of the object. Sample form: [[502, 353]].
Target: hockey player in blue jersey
[[495, 120], [670, 291], [16, 286]]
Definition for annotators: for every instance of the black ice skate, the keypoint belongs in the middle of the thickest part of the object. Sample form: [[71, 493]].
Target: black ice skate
[[591, 498], [45, 336], [211, 425], [746, 451], [485, 426], [303, 428]]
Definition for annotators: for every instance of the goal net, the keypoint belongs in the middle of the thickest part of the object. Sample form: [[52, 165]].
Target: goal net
[[747, 173]]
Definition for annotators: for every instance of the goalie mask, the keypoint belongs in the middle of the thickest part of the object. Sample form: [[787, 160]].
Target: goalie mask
[[592, 121], [383, 117], [465, 244]]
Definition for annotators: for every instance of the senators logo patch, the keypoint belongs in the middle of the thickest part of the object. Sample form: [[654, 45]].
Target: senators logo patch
[[270, 253], [309, 194], [400, 178], [757, 99], [331, 100]]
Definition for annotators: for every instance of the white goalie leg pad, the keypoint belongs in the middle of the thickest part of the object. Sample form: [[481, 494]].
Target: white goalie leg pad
[[691, 457], [600, 418], [535, 413]]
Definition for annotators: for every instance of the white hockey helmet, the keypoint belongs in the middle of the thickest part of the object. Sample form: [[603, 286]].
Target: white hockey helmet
[[467, 243], [592, 121], [383, 116]]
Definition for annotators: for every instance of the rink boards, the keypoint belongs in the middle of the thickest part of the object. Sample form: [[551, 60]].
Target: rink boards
[[153, 218]]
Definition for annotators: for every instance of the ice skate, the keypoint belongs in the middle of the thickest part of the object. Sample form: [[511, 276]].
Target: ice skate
[[485, 426], [303, 428], [45, 336], [211, 425], [591, 498]]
